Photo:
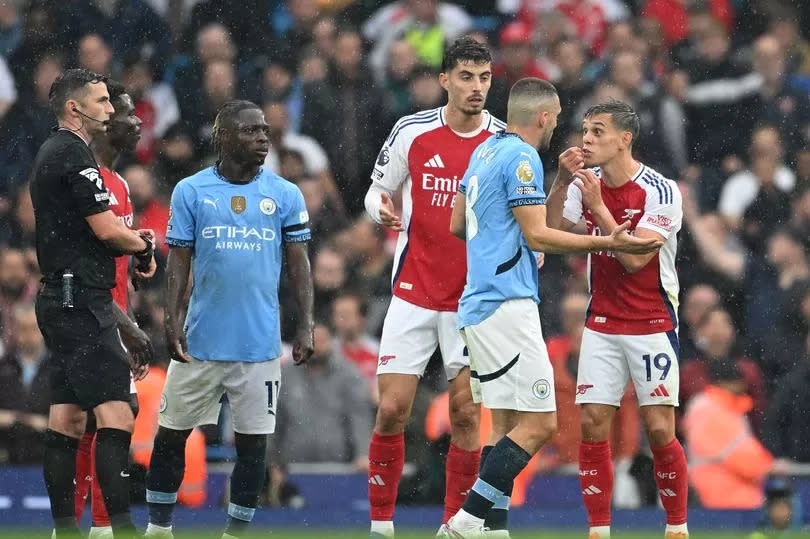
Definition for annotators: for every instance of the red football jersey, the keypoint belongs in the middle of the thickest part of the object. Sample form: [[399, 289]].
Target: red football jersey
[[644, 302], [428, 159], [121, 206]]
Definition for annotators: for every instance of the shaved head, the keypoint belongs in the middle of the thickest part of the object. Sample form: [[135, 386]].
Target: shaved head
[[529, 97]]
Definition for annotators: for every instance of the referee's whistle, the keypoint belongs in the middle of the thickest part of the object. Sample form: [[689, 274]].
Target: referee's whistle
[[67, 289]]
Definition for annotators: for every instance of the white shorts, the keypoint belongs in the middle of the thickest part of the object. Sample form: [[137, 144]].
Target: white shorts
[[193, 394], [608, 362], [410, 336], [509, 364]]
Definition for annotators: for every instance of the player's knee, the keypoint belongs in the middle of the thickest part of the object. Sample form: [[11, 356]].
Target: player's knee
[[391, 416], [660, 434], [251, 446], [170, 439], [593, 424], [464, 415]]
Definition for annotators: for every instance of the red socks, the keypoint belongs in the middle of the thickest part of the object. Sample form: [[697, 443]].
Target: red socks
[[99, 510], [461, 471], [596, 480], [84, 471], [671, 476], [386, 455]]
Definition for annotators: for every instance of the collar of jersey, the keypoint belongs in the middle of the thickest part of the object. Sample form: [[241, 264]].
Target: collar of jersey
[[226, 180], [508, 134]]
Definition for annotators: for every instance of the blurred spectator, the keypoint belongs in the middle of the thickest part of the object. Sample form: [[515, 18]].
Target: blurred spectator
[[563, 449], [298, 34], [673, 15], [371, 265], [785, 25], [424, 90], [349, 313], [218, 87], [94, 54], [517, 55], [718, 86], [175, 159], [40, 33], [324, 32], [727, 464], [345, 115], [213, 44], [717, 342], [329, 277], [243, 20], [426, 24], [402, 61], [338, 423], [155, 104], [324, 220], [698, 301], [16, 286], [11, 25], [662, 138], [783, 514], [800, 220], [151, 211], [786, 427], [767, 173], [569, 56], [777, 103], [315, 161], [25, 395]]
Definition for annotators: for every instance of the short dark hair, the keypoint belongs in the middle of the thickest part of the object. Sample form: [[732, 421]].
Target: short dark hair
[[525, 96], [116, 90], [226, 116], [622, 115], [362, 304], [71, 84], [465, 49]]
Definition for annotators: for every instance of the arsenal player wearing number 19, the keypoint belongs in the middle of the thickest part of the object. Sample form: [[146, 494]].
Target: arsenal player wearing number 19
[[122, 134], [631, 327], [426, 156]]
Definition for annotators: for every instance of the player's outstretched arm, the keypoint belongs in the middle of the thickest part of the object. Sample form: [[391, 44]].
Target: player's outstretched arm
[[569, 162], [458, 220], [380, 207], [532, 221], [300, 274], [178, 269]]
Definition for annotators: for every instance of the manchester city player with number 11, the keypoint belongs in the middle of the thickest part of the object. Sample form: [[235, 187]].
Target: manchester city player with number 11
[[228, 224]]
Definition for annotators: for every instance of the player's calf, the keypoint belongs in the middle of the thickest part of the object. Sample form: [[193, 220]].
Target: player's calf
[[163, 479], [246, 482]]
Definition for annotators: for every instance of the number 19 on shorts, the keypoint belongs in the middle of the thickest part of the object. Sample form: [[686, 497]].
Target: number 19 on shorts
[[661, 362]]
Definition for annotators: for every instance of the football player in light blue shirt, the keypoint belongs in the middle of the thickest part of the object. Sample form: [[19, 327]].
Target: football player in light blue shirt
[[229, 226], [500, 212]]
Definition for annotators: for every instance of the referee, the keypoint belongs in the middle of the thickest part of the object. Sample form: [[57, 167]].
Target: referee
[[78, 238]]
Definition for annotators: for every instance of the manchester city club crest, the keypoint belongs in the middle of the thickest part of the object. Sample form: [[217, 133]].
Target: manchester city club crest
[[541, 389], [238, 204], [524, 172], [268, 206]]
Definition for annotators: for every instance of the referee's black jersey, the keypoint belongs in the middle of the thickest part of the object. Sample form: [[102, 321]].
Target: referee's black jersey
[[66, 187]]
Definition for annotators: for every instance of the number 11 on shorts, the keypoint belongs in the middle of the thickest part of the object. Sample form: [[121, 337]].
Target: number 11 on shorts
[[272, 387], [662, 362]]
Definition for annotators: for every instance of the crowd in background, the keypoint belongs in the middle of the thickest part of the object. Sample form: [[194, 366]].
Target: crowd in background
[[721, 88]]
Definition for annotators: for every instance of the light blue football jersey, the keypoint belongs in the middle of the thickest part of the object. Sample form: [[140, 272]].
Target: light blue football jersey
[[237, 232], [504, 172]]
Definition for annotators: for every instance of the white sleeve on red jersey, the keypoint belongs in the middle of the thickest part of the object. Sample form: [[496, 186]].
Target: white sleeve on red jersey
[[572, 209], [663, 212], [391, 168]]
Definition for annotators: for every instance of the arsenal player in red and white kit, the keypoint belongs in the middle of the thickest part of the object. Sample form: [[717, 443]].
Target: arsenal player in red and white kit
[[631, 327], [123, 132], [426, 156]]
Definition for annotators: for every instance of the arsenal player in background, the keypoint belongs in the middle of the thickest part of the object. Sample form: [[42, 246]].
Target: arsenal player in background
[[122, 135], [632, 324], [426, 156]]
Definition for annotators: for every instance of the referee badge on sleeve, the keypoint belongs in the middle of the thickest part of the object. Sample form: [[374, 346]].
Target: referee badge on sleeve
[[238, 204]]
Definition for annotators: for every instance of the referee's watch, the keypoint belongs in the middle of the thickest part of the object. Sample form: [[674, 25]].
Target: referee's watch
[[146, 254]]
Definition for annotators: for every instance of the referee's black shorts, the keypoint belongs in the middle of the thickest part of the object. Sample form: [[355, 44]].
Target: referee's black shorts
[[90, 362]]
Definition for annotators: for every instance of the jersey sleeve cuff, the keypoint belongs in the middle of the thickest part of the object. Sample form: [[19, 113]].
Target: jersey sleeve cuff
[[534, 201], [174, 242]]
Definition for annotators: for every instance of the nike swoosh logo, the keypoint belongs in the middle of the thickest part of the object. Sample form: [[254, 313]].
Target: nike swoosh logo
[[124, 475]]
